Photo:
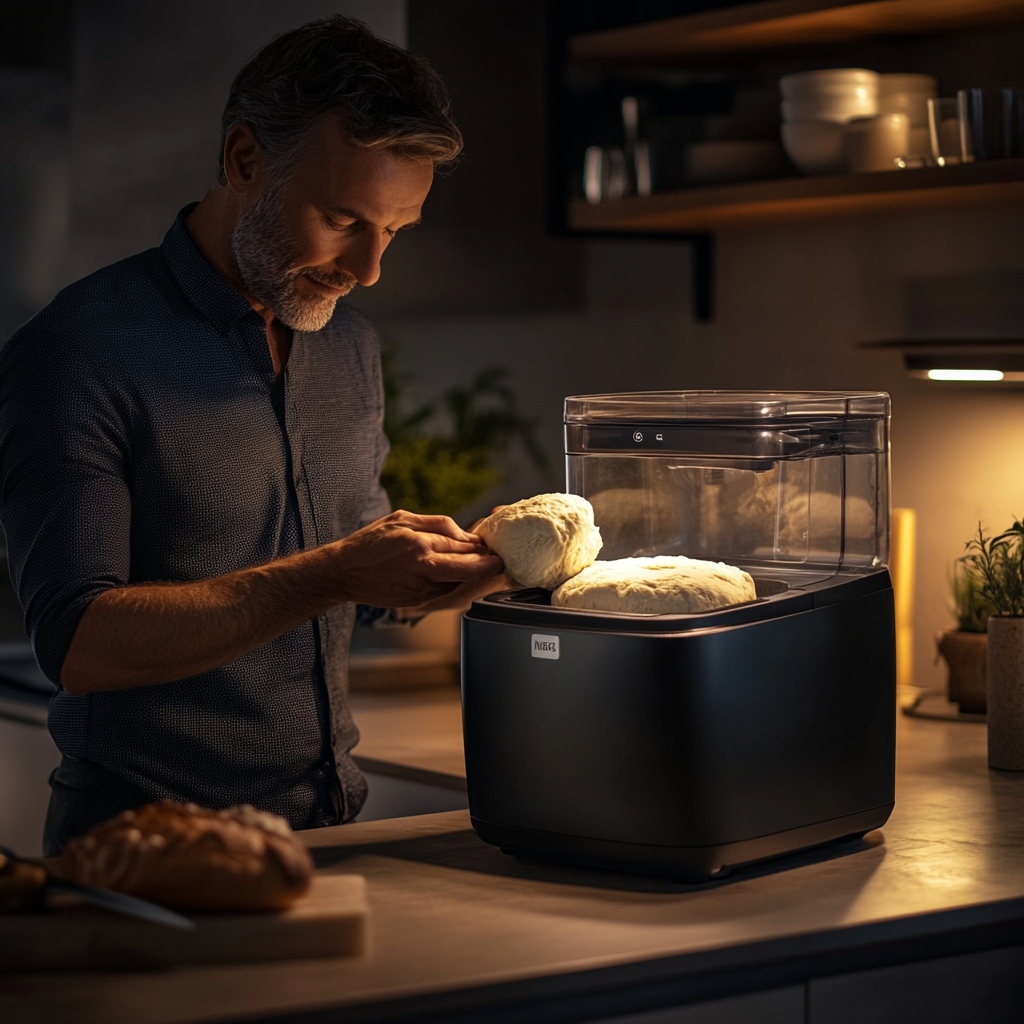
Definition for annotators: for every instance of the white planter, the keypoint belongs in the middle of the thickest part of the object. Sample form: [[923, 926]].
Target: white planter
[[1006, 693]]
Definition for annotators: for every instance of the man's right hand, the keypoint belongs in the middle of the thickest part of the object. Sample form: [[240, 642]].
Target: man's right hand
[[406, 559]]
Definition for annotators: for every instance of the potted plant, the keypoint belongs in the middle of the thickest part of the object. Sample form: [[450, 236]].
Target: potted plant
[[445, 456], [998, 563], [965, 647]]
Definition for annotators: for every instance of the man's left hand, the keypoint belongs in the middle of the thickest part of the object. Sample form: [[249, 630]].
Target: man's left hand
[[466, 593], [460, 598]]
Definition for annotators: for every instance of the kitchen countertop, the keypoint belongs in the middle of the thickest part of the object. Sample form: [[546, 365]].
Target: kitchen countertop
[[458, 927], [412, 734]]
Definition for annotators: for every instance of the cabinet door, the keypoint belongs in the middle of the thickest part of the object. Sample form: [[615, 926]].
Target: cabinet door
[[778, 1006], [976, 987], [27, 756]]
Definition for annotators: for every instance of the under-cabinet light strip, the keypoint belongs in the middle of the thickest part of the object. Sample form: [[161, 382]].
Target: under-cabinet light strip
[[976, 375]]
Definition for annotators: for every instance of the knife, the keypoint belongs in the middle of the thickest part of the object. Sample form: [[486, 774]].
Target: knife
[[118, 902]]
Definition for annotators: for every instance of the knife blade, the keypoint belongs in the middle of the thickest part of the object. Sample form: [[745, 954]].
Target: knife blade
[[120, 903]]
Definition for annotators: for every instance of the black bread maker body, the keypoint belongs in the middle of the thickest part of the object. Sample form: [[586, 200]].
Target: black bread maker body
[[686, 745]]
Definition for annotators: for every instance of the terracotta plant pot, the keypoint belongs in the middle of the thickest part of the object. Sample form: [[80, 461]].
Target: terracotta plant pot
[[1006, 693], [965, 654]]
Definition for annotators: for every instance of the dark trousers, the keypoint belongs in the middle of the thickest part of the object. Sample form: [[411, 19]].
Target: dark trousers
[[83, 794]]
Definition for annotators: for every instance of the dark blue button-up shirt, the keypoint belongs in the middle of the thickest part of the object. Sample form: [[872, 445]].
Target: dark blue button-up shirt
[[145, 437]]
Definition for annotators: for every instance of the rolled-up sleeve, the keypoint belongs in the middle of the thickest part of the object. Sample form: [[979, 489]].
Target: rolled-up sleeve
[[377, 504], [65, 499]]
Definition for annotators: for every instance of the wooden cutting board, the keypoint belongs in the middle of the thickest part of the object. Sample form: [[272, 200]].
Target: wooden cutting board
[[330, 920]]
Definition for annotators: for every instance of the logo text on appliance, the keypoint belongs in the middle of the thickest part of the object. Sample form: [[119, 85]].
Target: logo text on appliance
[[542, 646]]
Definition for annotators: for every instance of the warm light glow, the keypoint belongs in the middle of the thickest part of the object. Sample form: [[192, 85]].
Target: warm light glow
[[965, 374]]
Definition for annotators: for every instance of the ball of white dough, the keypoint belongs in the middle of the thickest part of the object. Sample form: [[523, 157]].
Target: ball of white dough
[[544, 540], [656, 586]]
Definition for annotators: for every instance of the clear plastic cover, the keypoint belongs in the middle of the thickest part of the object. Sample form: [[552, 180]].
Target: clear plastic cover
[[797, 480]]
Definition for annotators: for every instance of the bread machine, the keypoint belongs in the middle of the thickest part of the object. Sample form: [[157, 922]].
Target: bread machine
[[684, 745]]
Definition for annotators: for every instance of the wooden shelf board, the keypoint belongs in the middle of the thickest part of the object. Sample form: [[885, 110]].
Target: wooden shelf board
[[999, 182], [787, 23]]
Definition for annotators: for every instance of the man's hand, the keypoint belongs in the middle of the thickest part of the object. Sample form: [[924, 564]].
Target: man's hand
[[151, 633], [458, 599], [465, 594], [406, 560]]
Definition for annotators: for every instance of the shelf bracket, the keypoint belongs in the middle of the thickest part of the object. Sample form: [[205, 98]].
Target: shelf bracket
[[703, 247]]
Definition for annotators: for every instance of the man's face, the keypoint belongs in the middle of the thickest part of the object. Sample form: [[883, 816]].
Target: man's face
[[318, 229]]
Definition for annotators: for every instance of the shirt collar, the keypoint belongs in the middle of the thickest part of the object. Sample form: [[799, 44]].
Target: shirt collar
[[208, 292]]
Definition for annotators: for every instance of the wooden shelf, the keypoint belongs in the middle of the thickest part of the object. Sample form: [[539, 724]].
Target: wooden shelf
[[786, 23], [996, 182]]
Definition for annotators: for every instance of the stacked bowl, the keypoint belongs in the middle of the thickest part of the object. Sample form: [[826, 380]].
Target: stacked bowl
[[816, 106]]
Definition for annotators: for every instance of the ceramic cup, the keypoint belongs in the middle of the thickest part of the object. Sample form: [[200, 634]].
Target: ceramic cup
[[876, 143], [907, 94]]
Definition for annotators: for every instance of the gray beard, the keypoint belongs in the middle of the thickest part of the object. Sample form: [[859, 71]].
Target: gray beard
[[267, 264]]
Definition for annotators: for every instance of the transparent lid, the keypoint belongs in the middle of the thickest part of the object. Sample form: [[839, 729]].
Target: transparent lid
[[783, 479], [742, 424], [739, 407]]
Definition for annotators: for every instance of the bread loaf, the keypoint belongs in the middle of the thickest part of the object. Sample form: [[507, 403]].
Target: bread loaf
[[180, 855], [22, 885]]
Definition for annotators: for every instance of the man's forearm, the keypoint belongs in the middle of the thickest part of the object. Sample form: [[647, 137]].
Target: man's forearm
[[158, 632]]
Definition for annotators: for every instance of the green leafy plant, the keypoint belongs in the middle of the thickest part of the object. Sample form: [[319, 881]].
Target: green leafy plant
[[998, 565], [970, 606], [445, 454]]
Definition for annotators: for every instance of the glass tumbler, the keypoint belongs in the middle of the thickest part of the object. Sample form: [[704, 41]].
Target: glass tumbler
[[992, 120], [948, 131]]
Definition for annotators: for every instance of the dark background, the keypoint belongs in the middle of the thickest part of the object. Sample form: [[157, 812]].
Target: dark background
[[108, 125]]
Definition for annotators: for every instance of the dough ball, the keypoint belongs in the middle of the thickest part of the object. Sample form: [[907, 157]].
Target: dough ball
[[544, 540], [656, 586]]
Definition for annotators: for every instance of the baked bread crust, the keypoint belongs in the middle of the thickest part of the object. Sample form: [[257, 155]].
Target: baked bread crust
[[22, 885], [180, 855]]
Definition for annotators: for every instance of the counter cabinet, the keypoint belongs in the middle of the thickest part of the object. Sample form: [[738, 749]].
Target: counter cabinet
[[921, 921]]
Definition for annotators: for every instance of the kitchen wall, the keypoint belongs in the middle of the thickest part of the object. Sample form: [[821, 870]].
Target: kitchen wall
[[150, 81], [481, 284], [793, 303]]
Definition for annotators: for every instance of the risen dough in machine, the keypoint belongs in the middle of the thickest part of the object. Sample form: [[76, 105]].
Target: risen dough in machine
[[666, 585], [543, 540]]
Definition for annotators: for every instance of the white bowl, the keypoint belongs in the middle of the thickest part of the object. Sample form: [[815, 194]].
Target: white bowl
[[721, 160], [840, 110], [816, 147], [810, 83], [831, 92]]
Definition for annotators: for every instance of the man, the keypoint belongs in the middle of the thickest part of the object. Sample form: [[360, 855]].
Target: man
[[190, 449]]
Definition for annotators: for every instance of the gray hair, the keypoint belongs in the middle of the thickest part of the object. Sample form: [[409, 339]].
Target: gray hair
[[384, 97]]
